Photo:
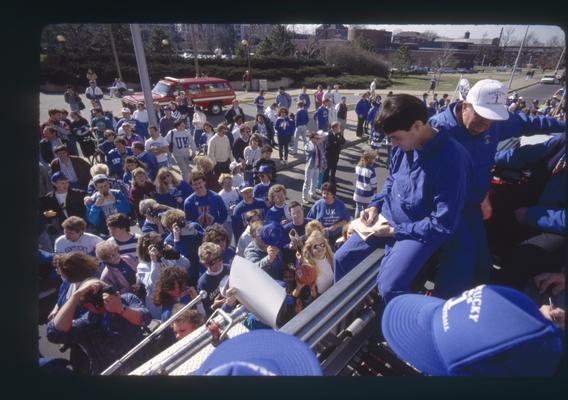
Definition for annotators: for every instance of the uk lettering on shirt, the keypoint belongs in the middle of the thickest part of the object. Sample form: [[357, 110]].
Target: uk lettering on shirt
[[204, 217], [76, 248], [109, 208], [182, 142], [330, 217]]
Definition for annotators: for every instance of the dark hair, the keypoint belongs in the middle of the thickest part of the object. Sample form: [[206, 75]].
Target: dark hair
[[213, 231], [266, 148], [166, 281], [179, 122], [293, 204], [152, 127], [98, 110], [120, 140], [118, 221], [251, 215], [400, 112], [138, 145], [195, 176], [329, 187], [76, 267]]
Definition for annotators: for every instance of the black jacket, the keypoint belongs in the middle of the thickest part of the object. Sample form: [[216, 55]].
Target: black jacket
[[45, 150], [239, 148], [229, 115], [333, 145], [73, 203]]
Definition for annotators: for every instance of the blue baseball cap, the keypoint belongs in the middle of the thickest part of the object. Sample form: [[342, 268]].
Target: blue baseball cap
[[487, 331], [58, 176], [265, 169], [263, 352], [273, 234]]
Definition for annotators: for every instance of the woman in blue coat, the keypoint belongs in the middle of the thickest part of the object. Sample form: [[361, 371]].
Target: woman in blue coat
[[284, 128]]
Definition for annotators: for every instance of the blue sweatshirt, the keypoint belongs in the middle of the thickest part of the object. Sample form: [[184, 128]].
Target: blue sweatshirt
[[424, 194], [94, 213], [260, 191], [183, 190], [210, 283], [321, 116], [329, 214], [300, 229], [362, 108], [373, 113], [284, 100], [191, 237], [482, 148], [549, 214], [114, 161], [151, 163], [306, 99], [239, 212], [205, 210], [302, 117], [284, 127]]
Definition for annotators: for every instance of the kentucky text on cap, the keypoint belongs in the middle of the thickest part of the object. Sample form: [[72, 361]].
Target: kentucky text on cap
[[488, 98], [262, 352], [487, 331]]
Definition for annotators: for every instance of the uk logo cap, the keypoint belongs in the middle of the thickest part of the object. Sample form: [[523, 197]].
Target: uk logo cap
[[58, 176], [487, 331], [262, 352], [273, 234], [488, 98]]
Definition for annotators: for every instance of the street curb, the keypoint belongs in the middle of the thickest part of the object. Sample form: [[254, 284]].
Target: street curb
[[523, 87]]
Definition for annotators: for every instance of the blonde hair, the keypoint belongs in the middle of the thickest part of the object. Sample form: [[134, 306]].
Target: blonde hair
[[313, 239], [274, 189], [105, 249], [208, 251], [204, 164], [368, 158], [224, 176], [99, 169], [314, 226], [161, 187]]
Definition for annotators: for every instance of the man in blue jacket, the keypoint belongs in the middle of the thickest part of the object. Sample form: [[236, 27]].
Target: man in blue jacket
[[420, 203], [204, 206], [362, 109], [104, 202], [305, 98], [147, 158], [528, 227], [283, 99], [115, 158], [301, 121], [479, 123], [321, 116]]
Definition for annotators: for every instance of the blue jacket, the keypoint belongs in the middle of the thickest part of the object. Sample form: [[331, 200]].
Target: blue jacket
[[373, 113], [362, 108], [422, 199], [284, 100], [205, 210], [114, 161], [284, 127], [482, 148], [260, 191], [302, 117], [191, 238], [151, 162], [549, 214], [169, 199], [321, 116], [238, 217], [121, 206], [306, 99]]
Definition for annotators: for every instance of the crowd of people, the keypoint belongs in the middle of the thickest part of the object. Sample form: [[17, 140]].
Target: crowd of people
[[441, 205]]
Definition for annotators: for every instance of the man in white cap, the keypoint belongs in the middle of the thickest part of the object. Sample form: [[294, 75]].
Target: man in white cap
[[479, 123], [126, 117]]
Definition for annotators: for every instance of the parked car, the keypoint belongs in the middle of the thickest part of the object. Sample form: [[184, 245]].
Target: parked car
[[447, 70], [418, 70], [549, 79], [210, 93]]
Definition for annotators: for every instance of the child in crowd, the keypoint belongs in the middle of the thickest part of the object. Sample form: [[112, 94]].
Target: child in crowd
[[365, 181], [236, 169], [260, 190], [266, 160]]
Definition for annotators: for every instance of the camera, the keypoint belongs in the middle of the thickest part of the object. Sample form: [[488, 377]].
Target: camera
[[169, 253], [96, 299], [154, 212]]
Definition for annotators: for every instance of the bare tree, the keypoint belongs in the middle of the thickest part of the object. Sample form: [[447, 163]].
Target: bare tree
[[532, 40], [430, 35], [446, 58], [508, 36], [553, 42]]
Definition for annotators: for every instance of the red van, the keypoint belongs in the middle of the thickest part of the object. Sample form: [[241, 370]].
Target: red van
[[210, 93]]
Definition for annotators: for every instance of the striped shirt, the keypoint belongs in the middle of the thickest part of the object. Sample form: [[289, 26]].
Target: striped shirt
[[127, 247], [366, 184]]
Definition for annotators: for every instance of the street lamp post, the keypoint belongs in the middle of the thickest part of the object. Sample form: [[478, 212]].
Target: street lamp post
[[245, 44], [165, 44]]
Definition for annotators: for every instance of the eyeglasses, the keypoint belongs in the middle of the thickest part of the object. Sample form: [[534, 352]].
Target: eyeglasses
[[319, 246]]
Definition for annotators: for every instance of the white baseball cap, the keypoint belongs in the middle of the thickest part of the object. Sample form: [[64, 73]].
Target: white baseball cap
[[488, 98]]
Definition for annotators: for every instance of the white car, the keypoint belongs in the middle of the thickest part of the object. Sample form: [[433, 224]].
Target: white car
[[549, 79]]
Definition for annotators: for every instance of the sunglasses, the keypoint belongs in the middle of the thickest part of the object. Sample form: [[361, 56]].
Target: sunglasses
[[319, 246], [165, 177]]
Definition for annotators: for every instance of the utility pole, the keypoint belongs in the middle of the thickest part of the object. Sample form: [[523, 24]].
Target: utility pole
[[194, 45], [143, 72], [518, 55], [560, 59], [115, 54]]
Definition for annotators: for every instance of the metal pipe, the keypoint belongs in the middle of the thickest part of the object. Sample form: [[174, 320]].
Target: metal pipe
[[194, 45], [143, 72], [518, 55], [118, 363], [560, 59], [114, 53], [174, 360]]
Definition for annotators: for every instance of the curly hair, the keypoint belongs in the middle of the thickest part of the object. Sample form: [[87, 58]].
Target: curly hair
[[171, 217], [208, 251], [166, 281], [273, 189], [214, 231], [104, 249], [204, 164], [74, 223], [312, 226], [76, 267], [161, 187]]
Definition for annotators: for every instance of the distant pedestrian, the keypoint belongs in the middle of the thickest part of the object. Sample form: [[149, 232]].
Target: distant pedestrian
[[259, 102], [373, 87], [318, 97], [283, 99], [246, 81], [93, 92], [433, 83], [341, 112], [72, 98], [362, 109]]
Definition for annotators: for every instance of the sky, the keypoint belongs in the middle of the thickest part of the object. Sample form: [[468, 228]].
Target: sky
[[543, 32]]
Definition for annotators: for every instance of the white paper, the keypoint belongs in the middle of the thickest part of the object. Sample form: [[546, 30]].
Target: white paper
[[365, 231], [256, 290]]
